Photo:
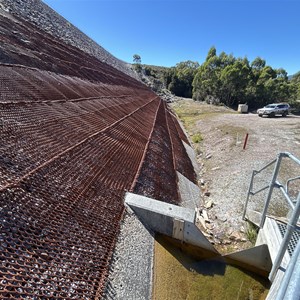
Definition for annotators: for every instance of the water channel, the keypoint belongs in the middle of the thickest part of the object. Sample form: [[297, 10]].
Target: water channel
[[182, 272]]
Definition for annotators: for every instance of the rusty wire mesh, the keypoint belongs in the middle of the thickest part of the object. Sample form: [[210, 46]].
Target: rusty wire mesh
[[62, 197], [73, 138]]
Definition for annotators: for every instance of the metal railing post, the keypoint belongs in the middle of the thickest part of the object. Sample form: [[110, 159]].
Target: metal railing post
[[287, 236], [249, 192], [272, 184], [289, 287]]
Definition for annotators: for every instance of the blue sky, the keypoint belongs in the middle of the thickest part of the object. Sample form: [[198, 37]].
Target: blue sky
[[165, 32]]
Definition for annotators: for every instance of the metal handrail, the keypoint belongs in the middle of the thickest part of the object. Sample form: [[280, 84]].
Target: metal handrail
[[266, 166], [286, 195], [286, 239], [295, 205], [260, 190], [289, 287], [250, 192], [288, 182], [273, 184]]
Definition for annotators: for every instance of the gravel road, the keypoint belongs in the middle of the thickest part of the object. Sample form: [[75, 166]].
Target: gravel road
[[226, 168]]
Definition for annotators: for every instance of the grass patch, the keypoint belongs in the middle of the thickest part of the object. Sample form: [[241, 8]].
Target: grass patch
[[236, 133], [189, 112], [251, 233], [197, 138]]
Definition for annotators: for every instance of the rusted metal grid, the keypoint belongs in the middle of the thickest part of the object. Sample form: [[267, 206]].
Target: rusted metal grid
[[73, 137], [157, 178], [25, 44], [20, 84], [179, 129], [182, 161], [60, 220], [31, 134]]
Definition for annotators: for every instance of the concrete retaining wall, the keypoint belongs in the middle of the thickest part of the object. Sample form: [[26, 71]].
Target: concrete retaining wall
[[191, 153], [171, 220], [256, 259], [178, 223], [189, 192]]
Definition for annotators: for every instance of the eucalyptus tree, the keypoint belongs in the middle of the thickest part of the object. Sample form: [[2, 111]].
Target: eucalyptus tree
[[179, 79], [137, 59], [232, 80], [295, 81]]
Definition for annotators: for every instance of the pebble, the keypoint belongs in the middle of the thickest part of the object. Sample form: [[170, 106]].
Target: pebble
[[205, 216], [209, 204], [235, 236], [209, 226], [202, 222], [215, 168], [221, 218], [226, 242]]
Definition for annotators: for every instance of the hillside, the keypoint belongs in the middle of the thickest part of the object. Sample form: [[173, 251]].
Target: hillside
[[154, 77], [41, 15]]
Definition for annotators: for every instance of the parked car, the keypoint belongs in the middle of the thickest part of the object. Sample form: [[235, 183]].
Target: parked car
[[271, 110]]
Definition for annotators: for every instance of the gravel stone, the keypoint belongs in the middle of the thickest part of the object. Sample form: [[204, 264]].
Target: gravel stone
[[229, 184], [130, 275]]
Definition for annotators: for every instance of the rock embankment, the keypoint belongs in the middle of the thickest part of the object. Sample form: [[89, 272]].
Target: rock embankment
[[48, 20]]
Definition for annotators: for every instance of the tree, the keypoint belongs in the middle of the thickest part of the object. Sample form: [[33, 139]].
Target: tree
[[296, 78], [232, 80], [137, 59], [179, 79], [258, 63], [295, 81], [206, 83], [177, 86], [212, 52], [185, 72], [137, 63], [281, 73]]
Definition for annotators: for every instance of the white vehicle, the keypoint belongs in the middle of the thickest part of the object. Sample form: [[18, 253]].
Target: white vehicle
[[271, 110]]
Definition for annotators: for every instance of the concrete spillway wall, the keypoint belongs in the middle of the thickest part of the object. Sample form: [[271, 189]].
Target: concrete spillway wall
[[179, 223], [168, 219]]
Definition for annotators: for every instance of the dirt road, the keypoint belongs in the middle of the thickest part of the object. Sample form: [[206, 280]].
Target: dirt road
[[226, 168]]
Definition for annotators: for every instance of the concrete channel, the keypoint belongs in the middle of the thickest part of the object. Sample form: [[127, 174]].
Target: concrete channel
[[178, 223]]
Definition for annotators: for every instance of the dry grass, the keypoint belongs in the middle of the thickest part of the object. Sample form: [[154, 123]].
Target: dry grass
[[189, 112]]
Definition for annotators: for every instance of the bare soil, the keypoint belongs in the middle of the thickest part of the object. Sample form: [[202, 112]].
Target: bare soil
[[226, 167]]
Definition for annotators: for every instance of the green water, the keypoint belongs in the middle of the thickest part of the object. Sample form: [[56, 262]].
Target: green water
[[189, 276]]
